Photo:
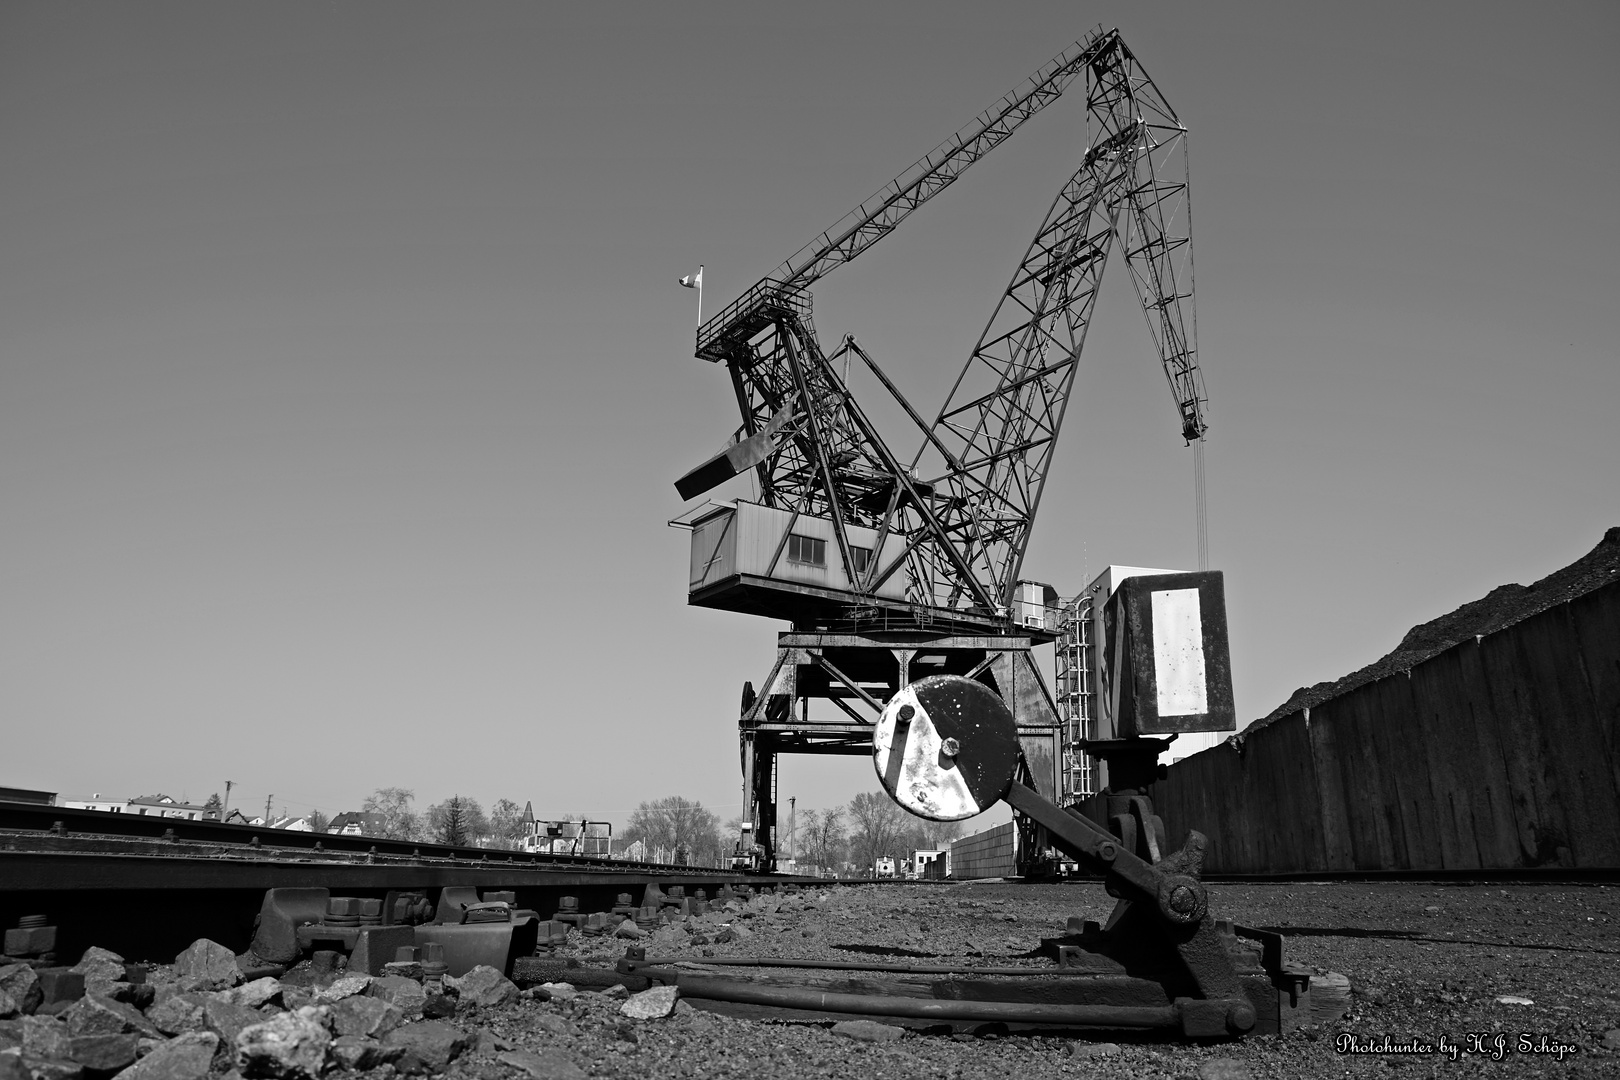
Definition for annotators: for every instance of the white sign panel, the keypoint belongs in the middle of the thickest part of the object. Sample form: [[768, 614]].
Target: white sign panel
[[1178, 653]]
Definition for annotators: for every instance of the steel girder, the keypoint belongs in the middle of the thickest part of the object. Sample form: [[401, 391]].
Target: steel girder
[[993, 440]]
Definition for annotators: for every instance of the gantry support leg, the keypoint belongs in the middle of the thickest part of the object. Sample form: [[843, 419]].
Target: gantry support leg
[[855, 676]]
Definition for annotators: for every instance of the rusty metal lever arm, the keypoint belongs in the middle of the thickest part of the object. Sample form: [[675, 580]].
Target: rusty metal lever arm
[[1179, 898]]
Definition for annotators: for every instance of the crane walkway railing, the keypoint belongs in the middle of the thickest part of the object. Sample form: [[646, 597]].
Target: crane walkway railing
[[748, 315]]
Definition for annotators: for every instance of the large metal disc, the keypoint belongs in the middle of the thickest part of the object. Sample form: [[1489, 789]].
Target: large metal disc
[[946, 748]]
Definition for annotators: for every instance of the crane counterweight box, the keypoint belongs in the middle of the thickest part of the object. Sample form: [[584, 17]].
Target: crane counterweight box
[[1166, 665]]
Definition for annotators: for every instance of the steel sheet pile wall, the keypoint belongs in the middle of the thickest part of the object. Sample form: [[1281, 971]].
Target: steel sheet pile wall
[[1498, 753], [992, 853]]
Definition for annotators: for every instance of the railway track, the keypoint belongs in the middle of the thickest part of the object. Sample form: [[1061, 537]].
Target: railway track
[[26, 825], [148, 886]]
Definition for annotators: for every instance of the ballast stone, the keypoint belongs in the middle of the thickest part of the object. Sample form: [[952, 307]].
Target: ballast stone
[[186, 1057], [365, 1016], [178, 1014], [404, 994], [46, 1037], [21, 984], [868, 1031], [288, 1046], [252, 994], [104, 1054], [550, 1066], [227, 1020], [356, 1052], [652, 1004], [484, 986], [96, 1015], [207, 964], [347, 986], [426, 1047], [99, 965]]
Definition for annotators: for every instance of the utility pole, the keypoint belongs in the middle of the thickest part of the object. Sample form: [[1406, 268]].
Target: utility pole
[[793, 831], [267, 800], [226, 809]]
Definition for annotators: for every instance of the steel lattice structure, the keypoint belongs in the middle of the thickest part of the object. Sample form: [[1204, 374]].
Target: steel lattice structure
[[965, 503]]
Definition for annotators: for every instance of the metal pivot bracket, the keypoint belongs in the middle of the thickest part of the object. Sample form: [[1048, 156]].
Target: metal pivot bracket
[[947, 747]]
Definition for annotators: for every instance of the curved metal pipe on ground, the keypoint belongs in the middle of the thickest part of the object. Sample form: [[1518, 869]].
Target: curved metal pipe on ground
[[943, 1011]]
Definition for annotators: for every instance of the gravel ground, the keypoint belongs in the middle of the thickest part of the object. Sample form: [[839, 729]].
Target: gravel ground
[[1531, 968], [1425, 960]]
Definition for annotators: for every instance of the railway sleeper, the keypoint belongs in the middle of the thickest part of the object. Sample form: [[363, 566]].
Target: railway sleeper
[[463, 931]]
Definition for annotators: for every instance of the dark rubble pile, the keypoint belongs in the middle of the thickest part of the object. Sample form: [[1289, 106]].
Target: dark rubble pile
[[1501, 607]]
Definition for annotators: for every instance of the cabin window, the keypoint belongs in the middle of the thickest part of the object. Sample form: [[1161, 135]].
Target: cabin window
[[861, 557], [807, 550]]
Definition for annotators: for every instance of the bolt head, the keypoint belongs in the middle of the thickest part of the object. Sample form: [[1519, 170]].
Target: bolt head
[[1183, 899], [950, 747], [906, 713]]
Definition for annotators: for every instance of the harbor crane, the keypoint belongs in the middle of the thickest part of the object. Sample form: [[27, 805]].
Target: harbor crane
[[892, 567]]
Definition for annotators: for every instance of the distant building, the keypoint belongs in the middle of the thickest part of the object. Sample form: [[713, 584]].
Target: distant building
[[96, 802], [355, 823], [293, 824], [591, 838], [236, 817], [159, 805]]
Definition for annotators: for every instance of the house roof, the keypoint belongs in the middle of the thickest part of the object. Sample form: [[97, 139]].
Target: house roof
[[367, 822], [161, 799]]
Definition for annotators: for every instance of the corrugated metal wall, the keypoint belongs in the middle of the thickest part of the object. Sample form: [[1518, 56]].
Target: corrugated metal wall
[[1498, 753], [992, 853]]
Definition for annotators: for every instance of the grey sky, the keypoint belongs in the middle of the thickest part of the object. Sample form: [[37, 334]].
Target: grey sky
[[344, 375]]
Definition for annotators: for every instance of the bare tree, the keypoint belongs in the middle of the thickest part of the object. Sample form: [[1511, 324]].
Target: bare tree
[[506, 824], [392, 805], [875, 823], [823, 833], [920, 834], [671, 821]]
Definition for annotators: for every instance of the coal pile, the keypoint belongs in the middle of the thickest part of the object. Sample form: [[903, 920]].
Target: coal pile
[[1501, 607]]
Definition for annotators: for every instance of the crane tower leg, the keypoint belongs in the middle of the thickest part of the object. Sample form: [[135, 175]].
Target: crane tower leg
[[845, 679]]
